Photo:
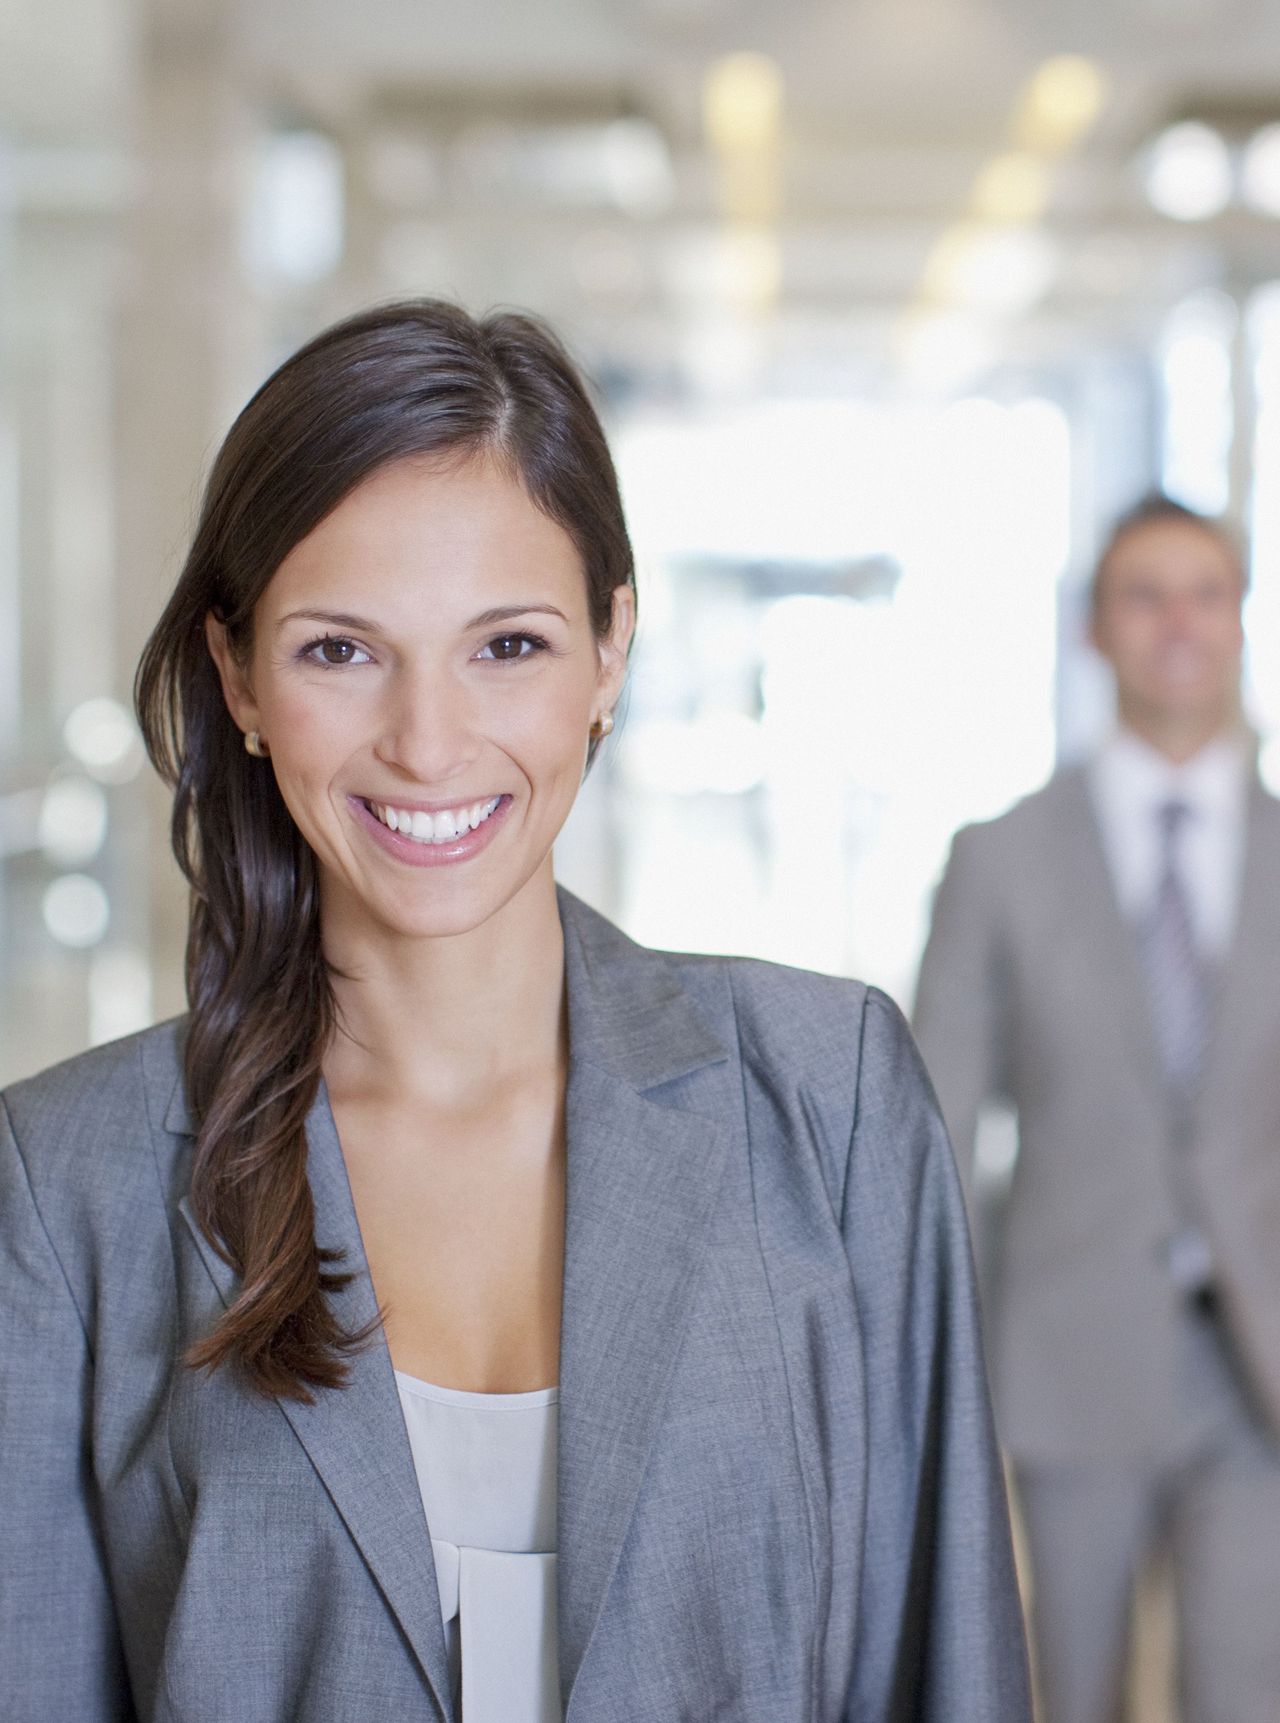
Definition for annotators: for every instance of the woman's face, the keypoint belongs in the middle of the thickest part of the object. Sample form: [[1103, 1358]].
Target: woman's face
[[425, 675]]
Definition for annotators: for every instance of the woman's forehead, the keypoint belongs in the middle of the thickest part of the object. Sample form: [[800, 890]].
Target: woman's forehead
[[426, 531]]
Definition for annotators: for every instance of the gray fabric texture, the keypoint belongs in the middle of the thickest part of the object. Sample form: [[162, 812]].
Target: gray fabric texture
[[1032, 988], [1090, 1529], [780, 1500]]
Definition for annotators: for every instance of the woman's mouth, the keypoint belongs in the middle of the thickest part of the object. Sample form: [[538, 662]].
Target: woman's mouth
[[443, 827], [432, 837]]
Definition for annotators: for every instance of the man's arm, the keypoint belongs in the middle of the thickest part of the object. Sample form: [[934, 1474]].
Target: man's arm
[[960, 1011]]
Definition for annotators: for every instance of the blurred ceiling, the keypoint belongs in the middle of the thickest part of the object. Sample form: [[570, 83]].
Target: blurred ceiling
[[562, 148]]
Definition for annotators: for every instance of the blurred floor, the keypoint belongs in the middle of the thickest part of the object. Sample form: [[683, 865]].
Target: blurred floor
[[1152, 1687]]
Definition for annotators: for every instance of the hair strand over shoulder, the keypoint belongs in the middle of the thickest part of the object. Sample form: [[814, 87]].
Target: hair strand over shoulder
[[416, 379]]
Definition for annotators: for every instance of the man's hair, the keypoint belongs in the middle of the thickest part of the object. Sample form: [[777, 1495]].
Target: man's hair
[[1156, 509]]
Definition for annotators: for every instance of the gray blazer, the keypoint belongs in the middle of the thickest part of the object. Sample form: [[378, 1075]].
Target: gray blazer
[[779, 1492], [1032, 988]]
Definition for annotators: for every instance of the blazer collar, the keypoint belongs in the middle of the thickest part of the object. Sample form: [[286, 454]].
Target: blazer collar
[[355, 1436], [649, 1101], [628, 1011], [648, 1119]]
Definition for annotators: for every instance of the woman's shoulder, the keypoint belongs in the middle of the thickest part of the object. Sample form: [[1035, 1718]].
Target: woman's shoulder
[[845, 1044], [824, 1059], [777, 1017], [110, 1101], [88, 1166], [796, 1017]]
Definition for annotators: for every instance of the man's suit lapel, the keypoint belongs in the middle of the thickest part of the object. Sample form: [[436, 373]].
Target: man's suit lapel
[[355, 1436], [1094, 919], [647, 1132], [1248, 974]]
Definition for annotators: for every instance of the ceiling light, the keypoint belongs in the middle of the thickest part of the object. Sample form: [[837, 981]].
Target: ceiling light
[[742, 104], [1188, 172], [1013, 187], [102, 735], [73, 820], [998, 270], [1260, 170], [637, 167], [75, 910], [294, 223], [1060, 104]]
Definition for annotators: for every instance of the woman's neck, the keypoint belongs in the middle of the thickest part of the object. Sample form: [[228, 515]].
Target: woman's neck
[[445, 1020]]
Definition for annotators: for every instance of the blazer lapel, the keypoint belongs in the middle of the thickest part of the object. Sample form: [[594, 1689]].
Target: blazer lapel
[[644, 1167], [355, 1436]]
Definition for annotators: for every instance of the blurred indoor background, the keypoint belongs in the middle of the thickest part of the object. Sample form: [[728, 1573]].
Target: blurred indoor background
[[890, 304]]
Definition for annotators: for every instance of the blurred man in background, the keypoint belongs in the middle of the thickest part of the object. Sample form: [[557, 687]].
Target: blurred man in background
[[1106, 958]]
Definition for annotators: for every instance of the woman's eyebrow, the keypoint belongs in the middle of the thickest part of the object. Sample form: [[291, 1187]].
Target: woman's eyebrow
[[363, 625], [509, 612], [337, 618]]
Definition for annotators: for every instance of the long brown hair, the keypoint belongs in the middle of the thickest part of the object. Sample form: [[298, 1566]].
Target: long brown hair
[[416, 378]]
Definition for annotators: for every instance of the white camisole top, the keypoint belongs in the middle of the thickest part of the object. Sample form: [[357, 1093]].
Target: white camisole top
[[486, 1466]]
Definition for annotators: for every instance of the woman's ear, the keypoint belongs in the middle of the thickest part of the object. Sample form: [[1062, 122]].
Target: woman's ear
[[616, 644], [236, 688]]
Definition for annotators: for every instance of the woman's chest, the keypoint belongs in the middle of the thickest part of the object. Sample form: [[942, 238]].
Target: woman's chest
[[462, 1226]]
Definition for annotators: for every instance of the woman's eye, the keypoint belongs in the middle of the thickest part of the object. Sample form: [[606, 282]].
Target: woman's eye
[[335, 649], [506, 647]]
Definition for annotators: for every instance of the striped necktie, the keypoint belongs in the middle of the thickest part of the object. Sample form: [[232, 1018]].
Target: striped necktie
[[1177, 979], [1178, 985]]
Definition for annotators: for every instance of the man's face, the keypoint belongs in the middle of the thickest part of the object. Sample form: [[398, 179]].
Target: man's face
[[1167, 618]]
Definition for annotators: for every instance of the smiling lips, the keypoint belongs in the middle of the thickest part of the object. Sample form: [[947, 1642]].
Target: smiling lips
[[443, 827]]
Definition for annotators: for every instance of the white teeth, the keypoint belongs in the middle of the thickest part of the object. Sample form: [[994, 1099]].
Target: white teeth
[[442, 828]]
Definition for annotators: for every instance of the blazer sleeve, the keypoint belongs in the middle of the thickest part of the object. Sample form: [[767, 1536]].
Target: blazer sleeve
[[60, 1654], [940, 1636], [960, 1006]]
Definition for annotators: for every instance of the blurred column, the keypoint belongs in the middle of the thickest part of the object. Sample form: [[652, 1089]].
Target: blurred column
[[58, 286], [179, 339], [742, 118], [1262, 611], [1244, 410], [10, 556]]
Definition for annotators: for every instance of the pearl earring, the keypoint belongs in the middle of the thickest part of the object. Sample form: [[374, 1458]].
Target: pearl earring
[[255, 745], [602, 726]]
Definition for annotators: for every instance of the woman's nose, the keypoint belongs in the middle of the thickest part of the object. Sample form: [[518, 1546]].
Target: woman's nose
[[428, 733]]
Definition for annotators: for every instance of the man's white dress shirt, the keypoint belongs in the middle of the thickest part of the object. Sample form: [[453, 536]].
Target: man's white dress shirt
[[1130, 782]]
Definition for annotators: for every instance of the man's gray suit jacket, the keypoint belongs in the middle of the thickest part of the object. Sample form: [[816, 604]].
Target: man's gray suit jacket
[[779, 1493], [1032, 988]]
